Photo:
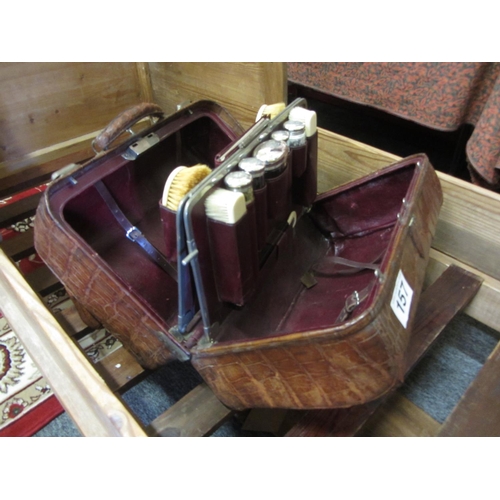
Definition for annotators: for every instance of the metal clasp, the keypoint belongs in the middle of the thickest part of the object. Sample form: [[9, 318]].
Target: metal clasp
[[68, 169], [138, 147], [352, 301]]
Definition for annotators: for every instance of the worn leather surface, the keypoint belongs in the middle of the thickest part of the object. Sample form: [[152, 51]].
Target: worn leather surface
[[282, 349], [307, 361], [114, 282], [103, 297], [124, 121]]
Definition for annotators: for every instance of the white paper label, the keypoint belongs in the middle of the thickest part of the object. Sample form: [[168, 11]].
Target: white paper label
[[401, 299]]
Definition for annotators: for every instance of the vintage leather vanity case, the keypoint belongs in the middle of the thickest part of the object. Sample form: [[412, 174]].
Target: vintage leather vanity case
[[301, 301]]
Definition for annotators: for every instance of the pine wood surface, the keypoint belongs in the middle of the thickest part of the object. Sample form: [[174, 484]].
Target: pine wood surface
[[120, 370], [15, 212], [196, 414], [20, 246], [398, 416], [47, 104], [478, 412], [240, 87]]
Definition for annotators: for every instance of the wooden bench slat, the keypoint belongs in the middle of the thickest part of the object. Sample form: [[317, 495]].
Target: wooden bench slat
[[196, 414], [478, 412], [41, 279], [398, 416], [446, 297], [26, 207], [119, 369], [20, 246]]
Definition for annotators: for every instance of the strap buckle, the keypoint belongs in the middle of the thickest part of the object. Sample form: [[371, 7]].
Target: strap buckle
[[133, 234]]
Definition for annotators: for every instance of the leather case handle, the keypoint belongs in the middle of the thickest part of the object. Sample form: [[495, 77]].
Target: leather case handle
[[123, 122]]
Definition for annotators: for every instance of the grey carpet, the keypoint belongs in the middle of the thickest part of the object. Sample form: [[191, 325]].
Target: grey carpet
[[442, 376], [435, 385]]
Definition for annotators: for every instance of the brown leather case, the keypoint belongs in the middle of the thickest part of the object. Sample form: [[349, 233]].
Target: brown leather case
[[322, 314]]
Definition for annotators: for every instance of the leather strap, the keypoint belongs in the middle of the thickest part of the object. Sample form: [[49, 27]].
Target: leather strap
[[351, 266], [356, 297], [133, 233]]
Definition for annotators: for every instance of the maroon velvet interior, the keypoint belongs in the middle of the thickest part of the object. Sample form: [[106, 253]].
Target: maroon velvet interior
[[356, 224], [137, 187]]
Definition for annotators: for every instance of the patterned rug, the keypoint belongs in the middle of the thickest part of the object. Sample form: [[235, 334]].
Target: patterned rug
[[27, 402]]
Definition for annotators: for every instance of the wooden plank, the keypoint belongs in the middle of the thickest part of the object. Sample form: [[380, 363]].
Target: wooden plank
[[484, 306], [438, 305], [26, 207], [41, 280], [478, 411], [470, 216], [144, 77], [268, 420], [20, 246], [197, 414], [399, 417], [89, 402], [40, 170], [240, 87], [119, 369], [43, 104]]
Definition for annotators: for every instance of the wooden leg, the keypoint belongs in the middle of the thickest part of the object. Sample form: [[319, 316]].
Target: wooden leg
[[85, 314]]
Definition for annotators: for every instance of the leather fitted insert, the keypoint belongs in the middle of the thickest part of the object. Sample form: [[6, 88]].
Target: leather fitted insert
[[358, 225]]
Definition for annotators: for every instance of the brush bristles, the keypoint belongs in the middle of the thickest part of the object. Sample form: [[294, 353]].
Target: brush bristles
[[225, 206], [184, 179]]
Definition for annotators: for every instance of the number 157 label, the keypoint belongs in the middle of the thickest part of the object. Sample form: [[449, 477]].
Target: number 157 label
[[401, 299]]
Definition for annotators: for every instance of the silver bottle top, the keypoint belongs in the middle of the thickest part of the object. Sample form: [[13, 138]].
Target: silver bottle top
[[241, 182], [256, 168], [297, 131], [273, 153], [280, 135], [252, 166]]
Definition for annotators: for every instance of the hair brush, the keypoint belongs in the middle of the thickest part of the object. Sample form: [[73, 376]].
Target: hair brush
[[180, 181], [225, 206]]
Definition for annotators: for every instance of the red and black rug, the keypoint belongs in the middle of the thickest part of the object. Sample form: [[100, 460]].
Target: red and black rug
[[27, 402]]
